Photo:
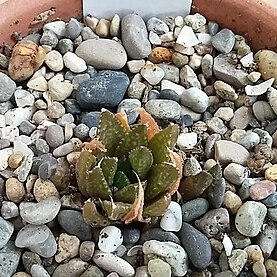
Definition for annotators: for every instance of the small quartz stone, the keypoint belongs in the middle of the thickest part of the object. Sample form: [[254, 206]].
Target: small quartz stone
[[110, 238], [172, 219], [9, 209]]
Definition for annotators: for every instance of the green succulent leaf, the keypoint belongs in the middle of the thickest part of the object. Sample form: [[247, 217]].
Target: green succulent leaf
[[161, 177], [109, 167], [137, 137], [121, 180], [127, 194], [158, 207], [163, 142], [97, 185], [111, 132], [141, 160], [115, 210], [85, 162]]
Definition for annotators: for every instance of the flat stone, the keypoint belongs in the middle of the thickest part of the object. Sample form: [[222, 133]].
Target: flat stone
[[54, 60], [7, 87], [196, 245], [102, 53], [38, 239], [158, 267], [38, 271], [263, 111], [195, 208], [106, 89], [225, 91], [187, 140], [187, 37], [54, 136], [58, 27], [262, 189], [23, 98], [14, 117], [224, 41], [172, 219], [250, 217], [158, 234], [135, 37], [87, 250], [232, 201], [152, 73], [188, 78], [9, 210], [259, 89], [237, 261], [110, 238]]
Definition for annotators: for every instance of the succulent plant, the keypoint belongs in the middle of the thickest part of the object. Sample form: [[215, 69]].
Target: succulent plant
[[128, 173]]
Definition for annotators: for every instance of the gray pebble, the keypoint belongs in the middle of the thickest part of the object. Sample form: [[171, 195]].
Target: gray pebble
[[215, 193], [249, 140], [9, 209], [242, 117], [46, 166], [188, 78], [210, 142], [170, 95], [63, 150], [42, 146], [263, 111], [39, 271], [65, 45], [272, 214], [157, 26], [54, 136], [216, 125], [9, 259], [4, 143], [7, 87], [171, 72], [131, 235], [80, 78], [87, 33], [158, 234], [207, 66], [196, 99], [93, 271], [4, 61], [72, 106], [73, 268], [135, 37], [196, 245], [267, 239], [213, 28], [244, 191], [194, 209], [271, 200], [130, 106], [29, 259], [73, 223], [66, 118], [73, 28], [163, 109], [87, 250], [265, 137], [81, 131], [224, 41], [6, 230], [49, 38], [5, 106], [90, 119]]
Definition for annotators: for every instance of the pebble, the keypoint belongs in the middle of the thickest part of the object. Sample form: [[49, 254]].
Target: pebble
[[6, 231], [38, 239], [229, 73], [179, 59], [103, 28], [54, 60], [73, 268], [115, 26], [49, 38], [271, 173], [237, 261], [228, 151], [9, 259], [192, 167], [102, 53], [171, 72], [187, 37], [235, 173], [73, 223], [225, 91], [81, 131], [136, 43], [157, 26], [15, 116], [135, 66], [73, 28], [113, 263], [216, 125], [65, 45], [259, 89], [158, 234], [15, 190], [163, 109], [248, 139], [105, 89], [232, 201], [29, 259], [196, 245], [214, 222], [167, 84], [242, 117], [224, 113], [40, 213], [55, 110], [158, 267], [154, 39], [44, 189], [23, 98], [250, 217], [9, 210], [263, 111], [129, 106], [160, 55], [38, 271], [262, 189], [187, 141], [207, 66], [10, 133], [244, 191], [91, 119], [195, 99], [170, 252], [189, 79], [74, 63], [59, 89], [54, 136], [224, 41], [270, 201], [92, 271], [68, 247], [58, 27], [131, 235], [215, 193], [110, 238], [195, 208], [172, 219], [271, 267], [87, 250], [152, 73]]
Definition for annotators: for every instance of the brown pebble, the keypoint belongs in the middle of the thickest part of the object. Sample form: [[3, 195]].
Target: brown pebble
[[271, 268], [160, 55], [262, 189], [15, 190], [44, 189], [271, 173], [15, 160], [179, 59]]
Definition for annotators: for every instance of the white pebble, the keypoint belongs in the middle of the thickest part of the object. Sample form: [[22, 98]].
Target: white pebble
[[110, 238], [172, 219], [187, 37], [187, 140], [74, 63], [39, 83], [14, 117], [247, 60], [227, 244], [23, 98], [260, 88], [54, 60]]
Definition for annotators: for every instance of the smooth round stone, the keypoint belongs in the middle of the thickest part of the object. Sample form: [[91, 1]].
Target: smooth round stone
[[134, 37], [38, 271], [40, 213], [55, 110], [73, 223], [130, 107], [159, 268], [54, 136], [74, 267], [272, 99], [131, 235], [90, 119], [224, 41], [216, 125], [38, 239], [169, 94], [196, 245], [72, 106], [235, 173], [271, 173], [262, 189], [105, 89], [186, 120], [23, 98], [49, 38], [171, 74], [187, 140], [58, 27], [158, 234], [46, 167], [207, 66], [232, 201], [271, 267], [54, 60], [270, 201], [249, 140], [81, 131], [163, 109], [214, 222], [188, 79], [192, 167], [195, 99], [263, 111], [6, 230], [172, 219], [102, 53], [170, 252], [9, 210], [29, 259], [93, 271], [250, 217], [272, 214], [241, 119], [87, 250], [63, 150], [65, 45], [15, 190], [73, 28], [9, 259], [225, 113], [110, 238], [194, 209], [74, 63], [42, 146]]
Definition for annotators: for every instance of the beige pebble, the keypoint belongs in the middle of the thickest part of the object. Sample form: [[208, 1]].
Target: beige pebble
[[68, 247], [209, 164], [115, 26], [21, 274], [44, 189], [259, 269], [73, 157], [103, 28], [30, 182], [40, 104], [159, 268], [15, 190], [91, 22], [254, 253], [271, 173], [232, 201], [271, 267], [56, 110], [15, 160], [142, 271]]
